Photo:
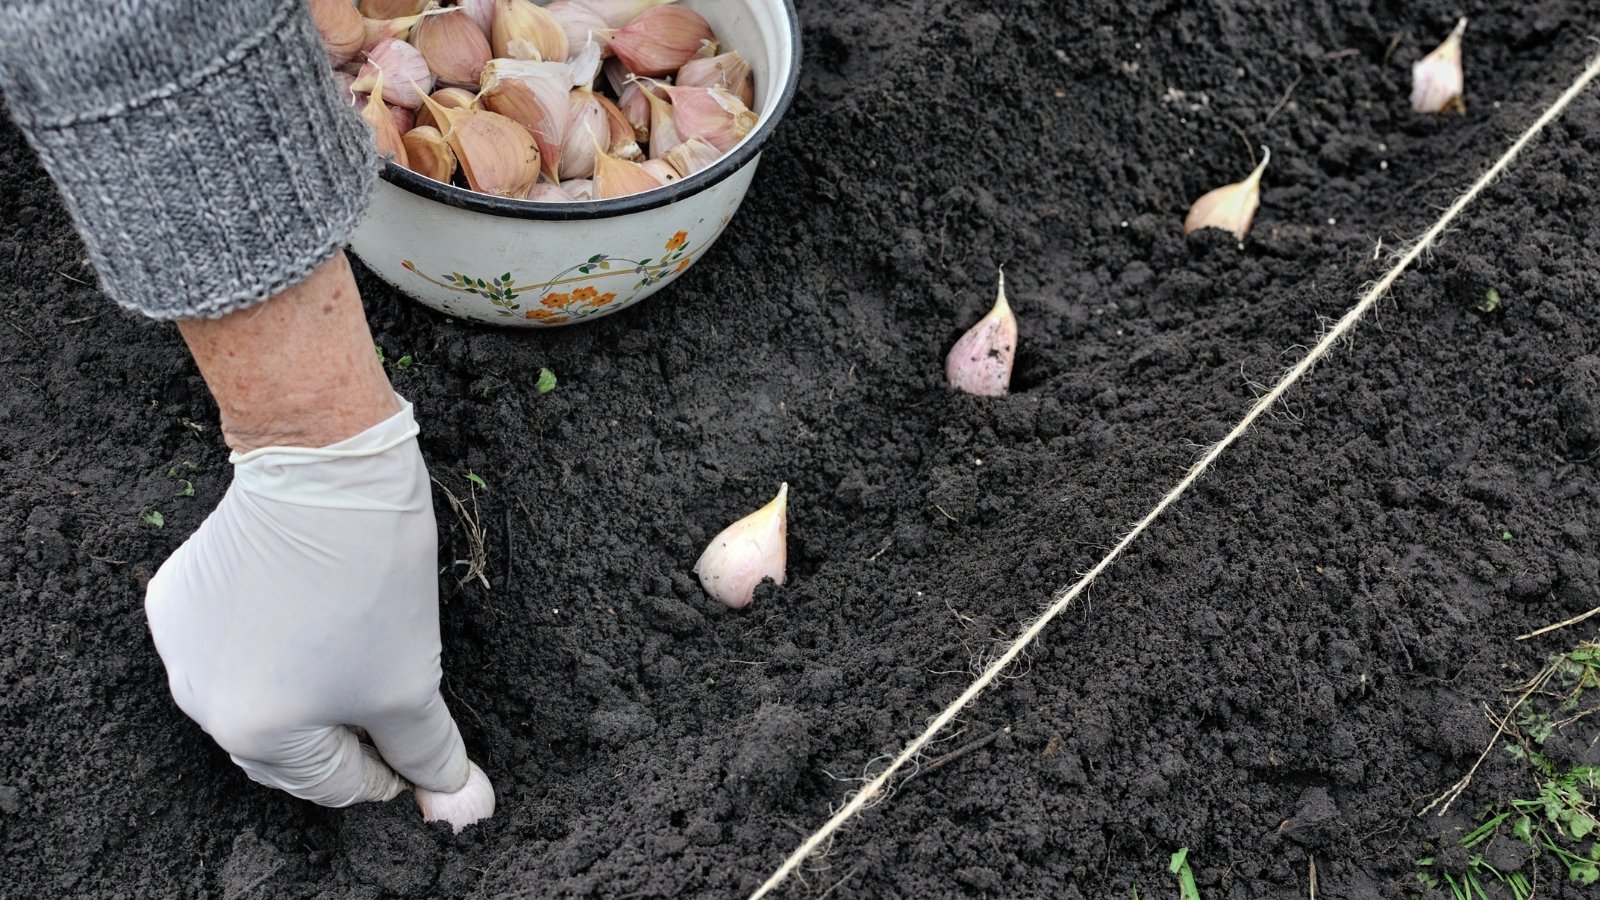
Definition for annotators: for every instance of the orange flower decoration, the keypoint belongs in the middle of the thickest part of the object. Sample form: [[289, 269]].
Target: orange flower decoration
[[584, 294], [555, 300], [540, 314], [678, 240], [683, 265], [605, 298]]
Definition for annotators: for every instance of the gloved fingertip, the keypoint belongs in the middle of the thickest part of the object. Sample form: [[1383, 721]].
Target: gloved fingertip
[[425, 746]]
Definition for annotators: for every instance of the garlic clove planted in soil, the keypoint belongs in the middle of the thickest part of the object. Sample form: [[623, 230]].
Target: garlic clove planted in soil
[[747, 553], [524, 30], [453, 45], [712, 114], [340, 26], [497, 156], [1437, 82], [407, 77], [660, 40], [980, 363], [730, 71], [429, 154], [472, 804], [692, 156], [1232, 207]]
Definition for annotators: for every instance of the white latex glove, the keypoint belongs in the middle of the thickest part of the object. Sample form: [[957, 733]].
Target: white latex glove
[[308, 602]]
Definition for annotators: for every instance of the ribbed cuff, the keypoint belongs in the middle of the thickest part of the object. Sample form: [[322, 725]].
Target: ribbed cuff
[[219, 188]]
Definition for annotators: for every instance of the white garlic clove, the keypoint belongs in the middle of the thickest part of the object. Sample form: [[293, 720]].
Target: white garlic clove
[[624, 144], [980, 362], [1437, 82], [730, 71], [663, 123], [579, 188], [581, 23], [746, 553], [472, 804], [545, 192], [1231, 207], [587, 128], [534, 95], [481, 11], [692, 156]]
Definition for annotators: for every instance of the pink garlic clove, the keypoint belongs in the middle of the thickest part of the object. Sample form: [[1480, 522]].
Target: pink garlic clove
[[980, 363], [746, 553]]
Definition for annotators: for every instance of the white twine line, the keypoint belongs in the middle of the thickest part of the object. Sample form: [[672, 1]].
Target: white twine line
[[874, 789]]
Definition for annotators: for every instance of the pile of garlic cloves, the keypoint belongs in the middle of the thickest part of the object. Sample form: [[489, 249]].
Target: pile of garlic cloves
[[565, 101]]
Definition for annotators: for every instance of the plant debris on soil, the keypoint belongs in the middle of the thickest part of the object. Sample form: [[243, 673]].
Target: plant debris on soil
[[1286, 668]]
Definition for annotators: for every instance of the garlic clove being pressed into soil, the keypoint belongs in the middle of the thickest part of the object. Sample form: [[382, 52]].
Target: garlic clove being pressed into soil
[[473, 803], [712, 114], [692, 156], [660, 40], [730, 71], [429, 154], [1232, 207], [747, 553], [980, 362], [340, 26], [1437, 82], [497, 156], [535, 33], [407, 78], [453, 45]]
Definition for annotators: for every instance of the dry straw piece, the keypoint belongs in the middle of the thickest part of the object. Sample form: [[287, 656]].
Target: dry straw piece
[[877, 786]]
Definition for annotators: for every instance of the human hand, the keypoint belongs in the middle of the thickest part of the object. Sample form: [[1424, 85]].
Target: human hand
[[307, 604]]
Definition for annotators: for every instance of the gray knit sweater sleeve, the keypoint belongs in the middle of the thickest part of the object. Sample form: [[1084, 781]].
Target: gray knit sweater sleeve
[[199, 144]]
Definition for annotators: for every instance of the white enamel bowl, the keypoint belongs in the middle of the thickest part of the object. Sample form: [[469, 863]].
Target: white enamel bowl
[[543, 265]]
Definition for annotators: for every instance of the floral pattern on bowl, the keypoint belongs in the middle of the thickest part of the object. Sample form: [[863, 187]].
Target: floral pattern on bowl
[[560, 307]]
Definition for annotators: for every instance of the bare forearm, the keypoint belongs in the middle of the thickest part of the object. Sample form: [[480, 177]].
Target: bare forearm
[[296, 371]]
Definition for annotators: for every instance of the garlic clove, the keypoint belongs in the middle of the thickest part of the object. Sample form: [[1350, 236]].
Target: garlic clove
[[525, 21], [545, 192], [579, 188], [618, 13], [587, 128], [391, 9], [980, 362], [692, 156], [498, 156], [340, 26], [581, 23], [453, 46], [636, 109], [404, 119], [1230, 207], [376, 31], [473, 803], [662, 170], [481, 11], [624, 143], [450, 98], [1437, 82], [535, 95], [615, 177], [712, 114], [747, 553], [429, 154], [663, 124], [375, 112], [583, 64], [407, 76], [730, 71], [660, 40]]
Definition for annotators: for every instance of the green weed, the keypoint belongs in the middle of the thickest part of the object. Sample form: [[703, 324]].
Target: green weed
[[1187, 889]]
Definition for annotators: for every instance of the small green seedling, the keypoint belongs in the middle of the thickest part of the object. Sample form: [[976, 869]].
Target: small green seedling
[[404, 362], [477, 479], [1490, 301], [547, 381], [1504, 533], [153, 517], [381, 358], [1187, 889]]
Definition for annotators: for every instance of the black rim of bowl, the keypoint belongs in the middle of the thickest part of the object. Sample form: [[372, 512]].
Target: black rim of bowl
[[450, 195]]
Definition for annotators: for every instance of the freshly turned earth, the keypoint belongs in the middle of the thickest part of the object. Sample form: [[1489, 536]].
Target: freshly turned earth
[[1290, 664]]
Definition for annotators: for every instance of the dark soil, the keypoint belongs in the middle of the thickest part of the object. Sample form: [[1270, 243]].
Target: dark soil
[[1290, 665]]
